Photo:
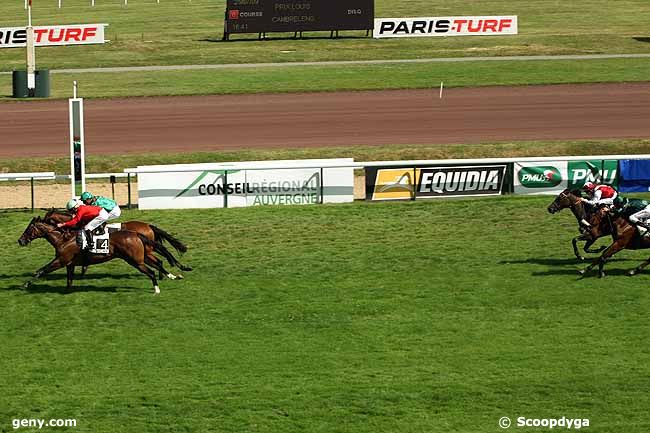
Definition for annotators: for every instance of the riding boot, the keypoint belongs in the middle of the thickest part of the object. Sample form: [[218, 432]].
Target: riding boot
[[89, 238]]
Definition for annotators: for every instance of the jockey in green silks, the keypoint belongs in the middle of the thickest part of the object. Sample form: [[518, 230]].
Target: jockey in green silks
[[112, 209]]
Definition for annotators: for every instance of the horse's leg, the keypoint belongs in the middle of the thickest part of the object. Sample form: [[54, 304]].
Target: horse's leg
[[70, 270], [589, 243], [639, 268], [83, 270], [50, 267], [600, 261], [145, 270], [156, 263], [574, 242]]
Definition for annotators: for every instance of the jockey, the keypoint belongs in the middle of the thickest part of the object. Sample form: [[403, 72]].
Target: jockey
[[637, 212], [599, 194], [83, 216], [113, 211]]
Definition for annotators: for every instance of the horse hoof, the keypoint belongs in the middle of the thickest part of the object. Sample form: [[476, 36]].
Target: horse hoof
[[180, 277], [582, 272], [631, 273], [27, 285], [601, 275]]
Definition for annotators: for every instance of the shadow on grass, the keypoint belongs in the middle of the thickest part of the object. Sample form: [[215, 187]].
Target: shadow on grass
[[609, 272], [41, 285], [642, 39], [281, 38], [559, 262]]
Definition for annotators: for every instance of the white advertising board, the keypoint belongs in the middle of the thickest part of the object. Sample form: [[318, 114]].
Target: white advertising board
[[547, 177], [445, 26], [69, 34], [244, 184]]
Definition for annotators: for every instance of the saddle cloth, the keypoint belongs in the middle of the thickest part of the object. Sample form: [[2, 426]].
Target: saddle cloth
[[100, 238]]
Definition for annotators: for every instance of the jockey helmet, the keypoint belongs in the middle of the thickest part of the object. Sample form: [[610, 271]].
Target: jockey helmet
[[589, 186], [86, 195], [619, 201], [72, 204]]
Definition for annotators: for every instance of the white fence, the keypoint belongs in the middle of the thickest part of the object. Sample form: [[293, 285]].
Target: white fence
[[32, 177], [130, 173]]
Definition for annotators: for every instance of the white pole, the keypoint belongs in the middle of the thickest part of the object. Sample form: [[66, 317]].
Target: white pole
[[92, 3], [441, 85], [31, 52], [60, 4], [126, 2], [74, 89]]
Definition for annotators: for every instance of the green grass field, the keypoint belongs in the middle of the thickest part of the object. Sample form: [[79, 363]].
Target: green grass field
[[184, 32], [439, 316], [117, 163]]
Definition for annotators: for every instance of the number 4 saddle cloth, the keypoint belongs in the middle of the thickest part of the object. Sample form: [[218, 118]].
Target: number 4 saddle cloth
[[99, 242]]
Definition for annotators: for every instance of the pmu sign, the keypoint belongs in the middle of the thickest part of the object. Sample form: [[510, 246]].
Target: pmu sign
[[69, 34]]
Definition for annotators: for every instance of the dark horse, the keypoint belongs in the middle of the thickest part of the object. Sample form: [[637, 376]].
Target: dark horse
[[132, 247], [149, 231], [626, 236], [590, 228]]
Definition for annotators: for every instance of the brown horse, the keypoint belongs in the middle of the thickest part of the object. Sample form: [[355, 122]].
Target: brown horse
[[149, 231], [626, 236], [591, 230], [129, 246]]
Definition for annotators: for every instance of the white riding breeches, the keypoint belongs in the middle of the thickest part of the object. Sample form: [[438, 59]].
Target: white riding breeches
[[115, 213], [641, 215], [99, 220]]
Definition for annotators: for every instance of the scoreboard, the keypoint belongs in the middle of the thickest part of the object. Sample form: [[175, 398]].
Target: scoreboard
[[261, 16]]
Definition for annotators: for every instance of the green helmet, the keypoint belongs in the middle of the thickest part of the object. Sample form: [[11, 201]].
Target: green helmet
[[71, 204], [619, 201], [86, 195]]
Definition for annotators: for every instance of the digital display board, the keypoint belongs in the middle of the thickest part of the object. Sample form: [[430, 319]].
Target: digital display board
[[261, 16]]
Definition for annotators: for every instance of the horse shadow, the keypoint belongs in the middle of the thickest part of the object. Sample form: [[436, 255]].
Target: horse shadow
[[592, 274], [642, 39], [558, 261], [41, 285], [570, 266]]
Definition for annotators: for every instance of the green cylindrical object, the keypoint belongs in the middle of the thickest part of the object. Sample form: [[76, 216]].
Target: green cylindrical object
[[42, 83], [19, 80]]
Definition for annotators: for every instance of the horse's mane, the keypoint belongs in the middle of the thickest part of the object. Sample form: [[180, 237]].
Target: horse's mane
[[57, 211]]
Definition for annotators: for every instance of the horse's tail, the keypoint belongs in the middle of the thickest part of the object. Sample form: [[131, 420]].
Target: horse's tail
[[160, 235], [161, 249]]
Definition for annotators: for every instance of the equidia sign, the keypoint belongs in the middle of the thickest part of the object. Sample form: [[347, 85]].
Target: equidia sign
[[430, 182]]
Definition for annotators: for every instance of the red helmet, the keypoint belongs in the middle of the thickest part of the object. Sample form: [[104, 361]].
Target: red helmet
[[589, 186]]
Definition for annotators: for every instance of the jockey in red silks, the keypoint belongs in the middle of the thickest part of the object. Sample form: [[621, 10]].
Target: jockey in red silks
[[599, 194], [83, 215]]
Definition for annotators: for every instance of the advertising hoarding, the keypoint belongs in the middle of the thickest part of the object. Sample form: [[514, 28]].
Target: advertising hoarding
[[233, 187], [409, 183]]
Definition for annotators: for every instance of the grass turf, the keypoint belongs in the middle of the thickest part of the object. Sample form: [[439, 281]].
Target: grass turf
[[117, 163], [438, 316], [184, 32]]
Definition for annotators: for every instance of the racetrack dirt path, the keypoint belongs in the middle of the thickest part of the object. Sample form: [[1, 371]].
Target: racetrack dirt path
[[204, 123]]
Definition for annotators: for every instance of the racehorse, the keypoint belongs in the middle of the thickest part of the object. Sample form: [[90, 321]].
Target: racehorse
[[590, 230], [626, 236], [149, 231], [132, 247]]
